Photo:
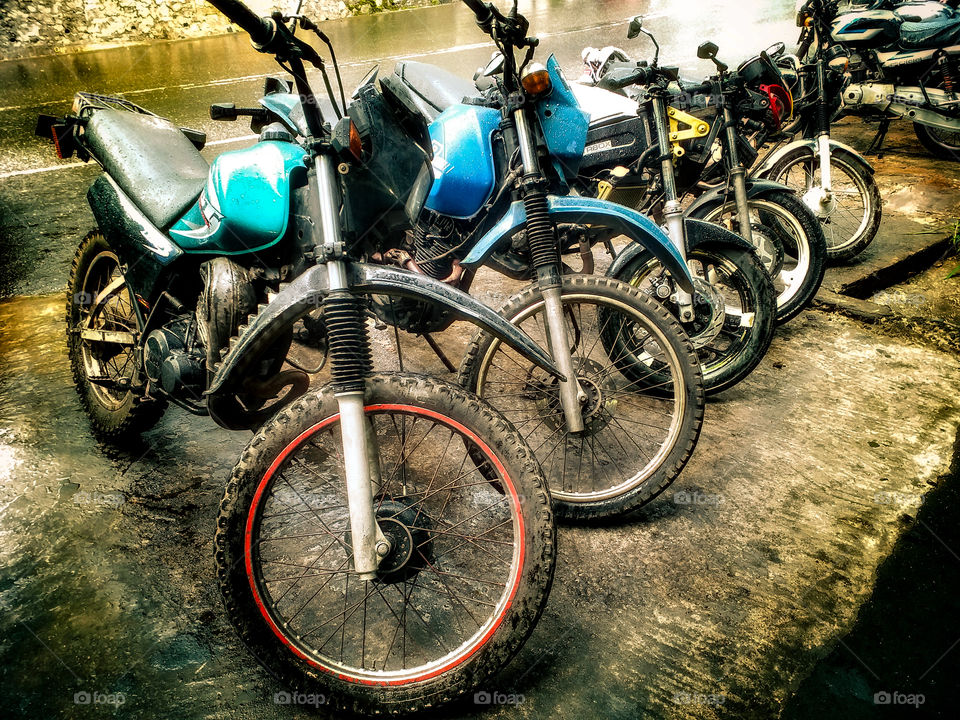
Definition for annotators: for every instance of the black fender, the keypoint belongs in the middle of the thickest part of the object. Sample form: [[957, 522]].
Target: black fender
[[308, 290], [720, 195], [699, 233]]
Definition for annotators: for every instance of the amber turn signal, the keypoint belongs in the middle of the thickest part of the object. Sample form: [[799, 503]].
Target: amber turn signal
[[536, 80], [356, 144]]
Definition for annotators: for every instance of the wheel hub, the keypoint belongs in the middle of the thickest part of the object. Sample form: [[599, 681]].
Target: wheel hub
[[822, 203], [594, 408], [407, 529], [769, 249]]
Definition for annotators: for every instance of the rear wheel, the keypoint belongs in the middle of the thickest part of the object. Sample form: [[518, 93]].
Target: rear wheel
[[789, 242], [644, 395], [852, 216], [467, 512], [732, 339], [944, 144], [101, 330]]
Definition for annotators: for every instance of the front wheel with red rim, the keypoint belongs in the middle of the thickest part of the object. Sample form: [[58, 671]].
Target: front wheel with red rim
[[465, 507]]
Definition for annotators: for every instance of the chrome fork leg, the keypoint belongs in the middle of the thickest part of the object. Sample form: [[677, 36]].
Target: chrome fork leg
[[572, 396]]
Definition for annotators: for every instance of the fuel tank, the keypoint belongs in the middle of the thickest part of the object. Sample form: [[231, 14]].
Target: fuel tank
[[245, 204]]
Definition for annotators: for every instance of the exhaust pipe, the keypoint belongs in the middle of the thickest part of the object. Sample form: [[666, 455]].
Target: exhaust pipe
[[906, 102]]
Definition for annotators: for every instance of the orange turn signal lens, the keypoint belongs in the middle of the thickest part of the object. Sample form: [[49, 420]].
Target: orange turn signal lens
[[356, 143], [536, 80], [808, 22]]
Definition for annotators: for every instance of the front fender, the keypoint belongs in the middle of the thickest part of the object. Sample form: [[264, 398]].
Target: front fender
[[588, 211], [720, 195], [698, 232], [308, 290], [811, 145]]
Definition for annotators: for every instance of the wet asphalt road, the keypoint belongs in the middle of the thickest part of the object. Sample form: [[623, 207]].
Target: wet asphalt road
[[810, 470]]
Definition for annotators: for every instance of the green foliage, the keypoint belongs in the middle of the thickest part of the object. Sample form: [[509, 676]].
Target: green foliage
[[956, 247]]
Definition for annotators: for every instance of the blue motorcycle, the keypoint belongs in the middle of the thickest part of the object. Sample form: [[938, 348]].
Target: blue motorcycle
[[395, 493], [622, 424]]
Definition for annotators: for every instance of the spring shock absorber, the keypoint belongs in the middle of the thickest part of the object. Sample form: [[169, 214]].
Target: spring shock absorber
[[947, 73]]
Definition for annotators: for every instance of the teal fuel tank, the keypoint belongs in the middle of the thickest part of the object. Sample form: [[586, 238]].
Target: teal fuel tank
[[245, 205]]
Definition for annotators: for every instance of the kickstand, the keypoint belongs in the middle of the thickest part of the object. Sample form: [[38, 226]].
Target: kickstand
[[878, 139], [438, 352]]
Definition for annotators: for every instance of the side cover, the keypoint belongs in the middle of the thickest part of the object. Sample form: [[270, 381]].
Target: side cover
[[245, 204], [463, 167]]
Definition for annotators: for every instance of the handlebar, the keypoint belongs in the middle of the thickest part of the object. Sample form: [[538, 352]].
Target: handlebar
[[261, 30], [482, 10]]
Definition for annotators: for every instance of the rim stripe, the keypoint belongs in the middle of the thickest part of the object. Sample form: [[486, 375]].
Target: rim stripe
[[268, 476]]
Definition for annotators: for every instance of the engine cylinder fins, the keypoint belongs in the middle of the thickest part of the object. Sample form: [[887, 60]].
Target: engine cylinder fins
[[429, 245], [348, 341]]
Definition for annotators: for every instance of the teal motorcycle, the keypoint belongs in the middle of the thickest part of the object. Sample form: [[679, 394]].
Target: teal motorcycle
[[385, 543]]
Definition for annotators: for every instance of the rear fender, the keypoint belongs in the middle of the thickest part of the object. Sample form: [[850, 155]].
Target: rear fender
[[587, 211], [308, 290]]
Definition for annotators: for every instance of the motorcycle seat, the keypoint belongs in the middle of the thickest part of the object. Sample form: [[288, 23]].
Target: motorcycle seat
[[150, 159], [930, 34], [434, 88]]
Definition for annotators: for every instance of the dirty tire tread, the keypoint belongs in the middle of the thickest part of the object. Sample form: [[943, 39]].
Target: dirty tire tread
[[661, 479], [855, 164], [134, 416], [531, 595]]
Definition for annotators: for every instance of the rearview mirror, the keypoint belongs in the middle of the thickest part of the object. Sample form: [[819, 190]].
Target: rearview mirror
[[776, 50], [635, 26], [707, 51]]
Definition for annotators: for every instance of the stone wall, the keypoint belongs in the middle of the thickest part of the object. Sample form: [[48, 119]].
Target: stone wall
[[34, 27]]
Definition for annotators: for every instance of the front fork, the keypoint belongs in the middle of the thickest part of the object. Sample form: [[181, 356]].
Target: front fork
[[738, 175], [350, 363], [672, 210], [823, 139], [545, 256]]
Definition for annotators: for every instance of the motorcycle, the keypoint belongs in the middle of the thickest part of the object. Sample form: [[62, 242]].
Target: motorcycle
[[710, 126], [399, 494], [736, 299], [832, 178], [503, 162], [904, 62]]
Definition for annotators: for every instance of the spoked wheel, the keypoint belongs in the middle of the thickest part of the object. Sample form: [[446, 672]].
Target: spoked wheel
[[734, 316], [467, 513], [851, 216], [644, 395], [944, 144], [101, 331], [789, 243]]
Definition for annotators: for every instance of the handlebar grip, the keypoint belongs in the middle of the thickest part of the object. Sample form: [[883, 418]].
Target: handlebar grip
[[704, 88], [261, 30], [480, 9]]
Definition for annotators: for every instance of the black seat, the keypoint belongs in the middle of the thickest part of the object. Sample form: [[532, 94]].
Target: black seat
[[151, 160], [930, 34], [436, 88]]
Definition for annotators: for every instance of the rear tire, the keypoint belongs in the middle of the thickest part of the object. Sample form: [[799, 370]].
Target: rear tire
[[114, 413], [283, 515], [943, 144]]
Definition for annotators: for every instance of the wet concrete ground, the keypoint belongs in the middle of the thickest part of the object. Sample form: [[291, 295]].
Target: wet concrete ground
[[751, 586]]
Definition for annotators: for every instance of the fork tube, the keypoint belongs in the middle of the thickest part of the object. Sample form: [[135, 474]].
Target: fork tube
[[738, 174], [545, 256], [823, 135], [350, 362], [672, 211]]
